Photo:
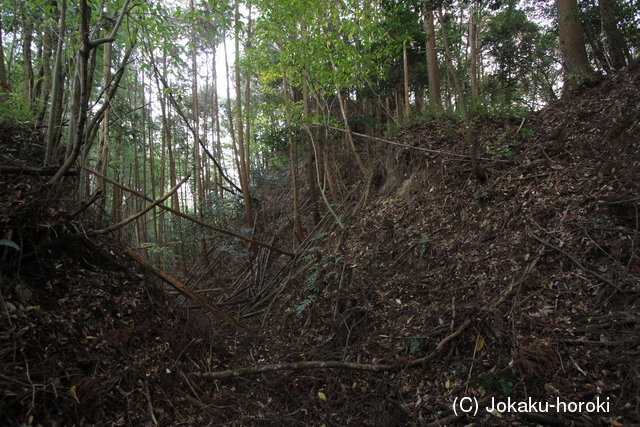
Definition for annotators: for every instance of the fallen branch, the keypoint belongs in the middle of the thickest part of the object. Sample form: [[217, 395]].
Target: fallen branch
[[140, 212], [86, 203], [190, 218], [333, 364], [428, 150], [297, 366], [17, 170], [184, 290]]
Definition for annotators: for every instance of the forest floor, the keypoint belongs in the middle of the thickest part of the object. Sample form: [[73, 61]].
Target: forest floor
[[525, 287]]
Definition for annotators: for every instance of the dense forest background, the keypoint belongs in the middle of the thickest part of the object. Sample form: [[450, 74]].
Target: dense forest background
[[240, 94], [340, 212]]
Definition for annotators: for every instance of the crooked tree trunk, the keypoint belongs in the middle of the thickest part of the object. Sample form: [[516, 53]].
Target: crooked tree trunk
[[84, 74]]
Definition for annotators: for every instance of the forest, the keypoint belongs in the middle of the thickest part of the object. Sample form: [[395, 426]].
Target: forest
[[319, 213]]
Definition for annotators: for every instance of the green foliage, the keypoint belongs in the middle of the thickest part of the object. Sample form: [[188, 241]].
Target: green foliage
[[15, 109], [526, 58], [483, 195], [321, 236], [529, 133], [424, 243], [502, 381], [416, 344], [499, 150], [10, 244], [300, 308]]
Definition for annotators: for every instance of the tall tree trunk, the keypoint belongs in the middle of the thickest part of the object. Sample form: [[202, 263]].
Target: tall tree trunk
[[216, 128], [196, 146], [116, 202], [27, 38], [576, 63], [142, 221], [472, 141], [311, 172], [294, 162], [55, 112], [345, 119], [473, 51], [241, 149], [4, 84], [103, 154], [84, 75], [405, 62], [43, 84], [615, 40], [435, 97]]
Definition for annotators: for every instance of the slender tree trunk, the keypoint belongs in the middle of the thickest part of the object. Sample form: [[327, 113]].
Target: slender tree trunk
[[615, 40], [116, 203], [407, 105], [216, 128], [435, 97], [473, 60], [345, 119], [103, 155], [241, 149], [27, 38], [197, 160], [472, 141], [43, 86], [4, 84], [311, 172], [294, 162], [55, 112], [142, 221]]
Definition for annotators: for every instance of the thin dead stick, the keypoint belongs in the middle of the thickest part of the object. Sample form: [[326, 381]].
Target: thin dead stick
[[86, 203], [184, 290], [140, 212], [578, 264], [190, 218]]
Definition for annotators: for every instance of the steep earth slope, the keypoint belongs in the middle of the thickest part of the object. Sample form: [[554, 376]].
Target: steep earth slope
[[522, 287]]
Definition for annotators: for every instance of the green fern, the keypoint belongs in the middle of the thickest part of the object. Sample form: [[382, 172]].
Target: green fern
[[300, 308]]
